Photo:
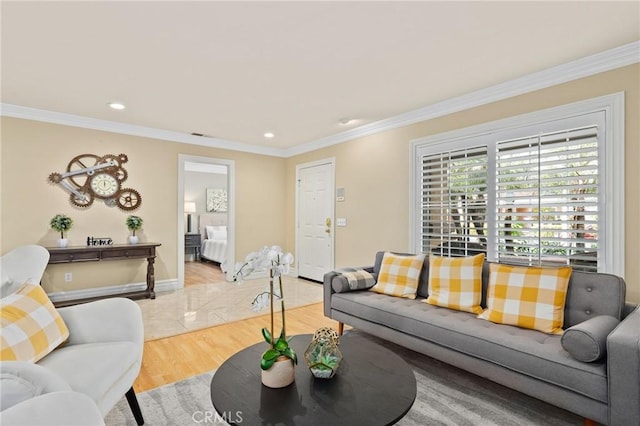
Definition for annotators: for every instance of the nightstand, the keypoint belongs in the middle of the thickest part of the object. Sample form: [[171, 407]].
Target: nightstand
[[193, 241]]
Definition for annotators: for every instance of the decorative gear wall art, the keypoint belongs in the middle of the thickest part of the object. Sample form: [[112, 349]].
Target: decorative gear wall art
[[90, 176]]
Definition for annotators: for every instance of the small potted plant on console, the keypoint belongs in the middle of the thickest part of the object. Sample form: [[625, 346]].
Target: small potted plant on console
[[61, 223], [134, 223]]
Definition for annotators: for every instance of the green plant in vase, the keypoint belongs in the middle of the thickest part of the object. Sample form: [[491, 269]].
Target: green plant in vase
[[134, 223], [278, 264], [61, 223]]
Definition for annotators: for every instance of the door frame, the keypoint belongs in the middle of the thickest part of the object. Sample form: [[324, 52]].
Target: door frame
[[231, 217], [332, 179]]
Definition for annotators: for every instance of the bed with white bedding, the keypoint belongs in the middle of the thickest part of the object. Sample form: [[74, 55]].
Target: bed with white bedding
[[214, 232]]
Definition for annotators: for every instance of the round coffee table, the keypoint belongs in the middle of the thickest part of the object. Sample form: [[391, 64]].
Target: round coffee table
[[372, 386]]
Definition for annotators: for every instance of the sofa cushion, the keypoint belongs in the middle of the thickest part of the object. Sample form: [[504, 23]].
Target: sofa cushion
[[456, 282], [529, 352], [31, 326], [527, 296], [587, 341], [399, 275]]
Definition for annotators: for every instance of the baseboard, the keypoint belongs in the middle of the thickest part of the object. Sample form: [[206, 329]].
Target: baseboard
[[113, 290]]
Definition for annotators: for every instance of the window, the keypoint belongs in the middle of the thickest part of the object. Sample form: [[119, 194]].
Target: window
[[454, 202], [547, 199], [545, 188]]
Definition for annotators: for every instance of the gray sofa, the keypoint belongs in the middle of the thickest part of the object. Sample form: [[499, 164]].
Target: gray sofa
[[606, 390]]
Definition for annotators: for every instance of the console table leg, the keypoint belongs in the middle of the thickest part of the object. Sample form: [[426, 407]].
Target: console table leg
[[151, 279]]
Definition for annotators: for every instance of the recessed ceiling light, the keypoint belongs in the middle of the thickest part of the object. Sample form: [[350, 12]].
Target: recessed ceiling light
[[116, 105], [269, 135]]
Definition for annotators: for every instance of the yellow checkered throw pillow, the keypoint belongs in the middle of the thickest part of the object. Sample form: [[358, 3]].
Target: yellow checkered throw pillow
[[456, 282], [31, 326], [527, 296], [399, 275]]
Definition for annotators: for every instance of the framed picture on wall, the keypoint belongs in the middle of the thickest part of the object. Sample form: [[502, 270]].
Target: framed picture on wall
[[216, 200]]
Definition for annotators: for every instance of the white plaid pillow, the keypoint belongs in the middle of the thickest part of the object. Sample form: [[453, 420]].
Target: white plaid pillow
[[31, 326]]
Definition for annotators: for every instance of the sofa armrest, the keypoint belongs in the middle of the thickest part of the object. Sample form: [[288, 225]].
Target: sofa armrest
[[66, 408], [334, 280], [109, 320], [623, 364]]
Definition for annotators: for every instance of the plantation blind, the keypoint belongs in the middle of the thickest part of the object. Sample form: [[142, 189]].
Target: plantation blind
[[547, 199], [454, 202]]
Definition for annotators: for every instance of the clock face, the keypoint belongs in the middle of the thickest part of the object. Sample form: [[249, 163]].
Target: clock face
[[104, 185]]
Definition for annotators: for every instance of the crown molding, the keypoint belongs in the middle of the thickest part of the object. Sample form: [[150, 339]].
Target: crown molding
[[618, 57], [27, 113]]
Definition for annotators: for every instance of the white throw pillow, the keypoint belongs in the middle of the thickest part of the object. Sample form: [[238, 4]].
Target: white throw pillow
[[218, 233]]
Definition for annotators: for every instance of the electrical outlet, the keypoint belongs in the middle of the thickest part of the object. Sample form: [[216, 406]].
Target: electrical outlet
[[68, 277]]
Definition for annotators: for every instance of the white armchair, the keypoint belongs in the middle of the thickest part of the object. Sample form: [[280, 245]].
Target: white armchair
[[100, 360]]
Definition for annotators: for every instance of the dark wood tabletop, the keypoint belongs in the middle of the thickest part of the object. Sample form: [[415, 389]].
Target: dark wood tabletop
[[373, 386]]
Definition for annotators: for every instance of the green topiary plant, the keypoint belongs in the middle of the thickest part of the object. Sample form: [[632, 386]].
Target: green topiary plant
[[134, 223], [61, 223]]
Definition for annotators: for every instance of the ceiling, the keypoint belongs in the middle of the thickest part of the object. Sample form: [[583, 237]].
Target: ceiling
[[235, 70]]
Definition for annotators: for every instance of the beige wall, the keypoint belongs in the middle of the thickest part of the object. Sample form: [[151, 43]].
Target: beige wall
[[374, 170], [32, 150]]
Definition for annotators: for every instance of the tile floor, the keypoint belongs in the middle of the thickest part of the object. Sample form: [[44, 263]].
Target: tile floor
[[199, 306]]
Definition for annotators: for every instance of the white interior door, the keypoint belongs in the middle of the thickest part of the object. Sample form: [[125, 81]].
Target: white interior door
[[314, 234]]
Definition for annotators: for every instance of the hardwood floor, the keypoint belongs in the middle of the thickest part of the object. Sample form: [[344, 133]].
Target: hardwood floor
[[201, 273], [176, 358]]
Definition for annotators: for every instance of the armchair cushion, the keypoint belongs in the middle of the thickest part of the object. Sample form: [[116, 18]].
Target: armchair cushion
[[66, 408], [23, 380], [31, 326], [103, 355]]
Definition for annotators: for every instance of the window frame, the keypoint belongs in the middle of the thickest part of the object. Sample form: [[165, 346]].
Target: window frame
[[611, 153]]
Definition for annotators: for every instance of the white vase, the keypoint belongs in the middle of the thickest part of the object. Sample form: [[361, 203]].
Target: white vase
[[282, 373], [62, 242], [133, 239]]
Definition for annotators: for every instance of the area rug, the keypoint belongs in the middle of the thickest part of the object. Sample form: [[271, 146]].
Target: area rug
[[445, 396]]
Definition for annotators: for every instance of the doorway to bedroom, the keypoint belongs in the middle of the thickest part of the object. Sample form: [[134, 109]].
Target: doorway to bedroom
[[205, 228]]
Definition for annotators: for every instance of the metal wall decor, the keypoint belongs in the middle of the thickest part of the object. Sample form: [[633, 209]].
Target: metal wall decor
[[90, 176]]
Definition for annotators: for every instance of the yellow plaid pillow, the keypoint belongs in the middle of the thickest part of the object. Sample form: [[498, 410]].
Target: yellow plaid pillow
[[31, 326], [399, 275], [527, 296], [456, 282]]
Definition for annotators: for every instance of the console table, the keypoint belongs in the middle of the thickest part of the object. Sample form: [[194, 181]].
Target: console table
[[105, 253]]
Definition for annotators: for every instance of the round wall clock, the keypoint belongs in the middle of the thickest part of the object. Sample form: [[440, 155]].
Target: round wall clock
[[104, 185], [90, 176]]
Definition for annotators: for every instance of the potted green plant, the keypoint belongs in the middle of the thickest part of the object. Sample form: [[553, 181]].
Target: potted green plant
[[278, 361], [133, 223], [61, 223]]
